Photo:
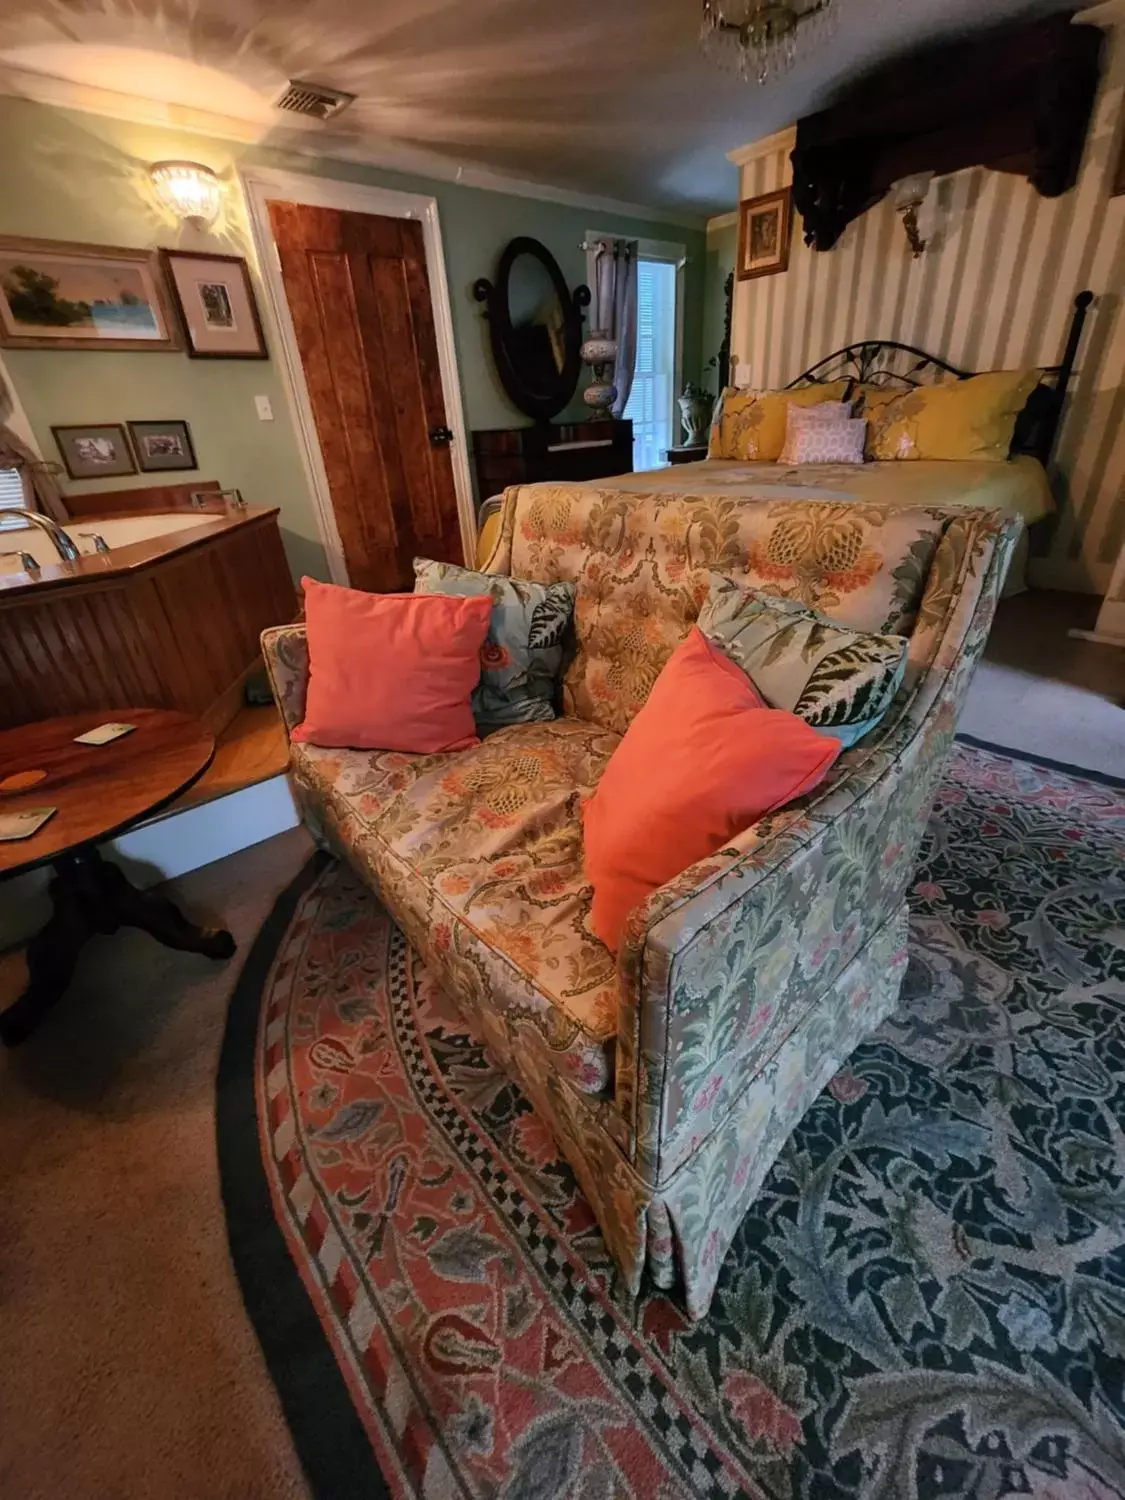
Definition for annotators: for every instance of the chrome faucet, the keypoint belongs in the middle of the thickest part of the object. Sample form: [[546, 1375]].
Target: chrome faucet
[[65, 545]]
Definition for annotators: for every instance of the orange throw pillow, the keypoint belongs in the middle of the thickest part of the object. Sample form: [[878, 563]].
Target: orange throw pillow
[[703, 760], [391, 671]]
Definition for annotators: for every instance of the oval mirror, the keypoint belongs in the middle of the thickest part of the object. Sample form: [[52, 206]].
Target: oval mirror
[[535, 324]]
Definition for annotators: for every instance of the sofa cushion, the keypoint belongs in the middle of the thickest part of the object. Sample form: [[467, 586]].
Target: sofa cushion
[[392, 671], [704, 759], [521, 661], [840, 681], [491, 840], [643, 564]]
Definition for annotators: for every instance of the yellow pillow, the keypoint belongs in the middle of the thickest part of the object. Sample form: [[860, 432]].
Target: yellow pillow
[[751, 424], [958, 419]]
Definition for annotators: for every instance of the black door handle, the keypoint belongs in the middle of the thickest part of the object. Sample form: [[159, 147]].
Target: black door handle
[[440, 436]]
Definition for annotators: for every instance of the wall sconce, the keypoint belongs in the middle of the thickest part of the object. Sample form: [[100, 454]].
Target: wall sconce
[[189, 190], [910, 193]]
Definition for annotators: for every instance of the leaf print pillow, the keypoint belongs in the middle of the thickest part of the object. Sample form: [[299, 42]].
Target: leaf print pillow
[[840, 681], [522, 656]]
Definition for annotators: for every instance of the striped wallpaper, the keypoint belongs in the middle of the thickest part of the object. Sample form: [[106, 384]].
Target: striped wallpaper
[[993, 290]]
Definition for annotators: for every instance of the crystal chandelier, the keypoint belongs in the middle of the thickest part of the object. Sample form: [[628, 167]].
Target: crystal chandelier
[[763, 38]]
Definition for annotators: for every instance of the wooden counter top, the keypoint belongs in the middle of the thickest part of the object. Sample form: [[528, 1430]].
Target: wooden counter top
[[131, 558]]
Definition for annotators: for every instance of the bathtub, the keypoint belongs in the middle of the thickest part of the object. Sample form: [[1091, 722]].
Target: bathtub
[[115, 531], [169, 617]]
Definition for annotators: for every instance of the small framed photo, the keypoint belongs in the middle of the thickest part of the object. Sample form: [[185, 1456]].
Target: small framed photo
[[161, 446], [764, 228], [55, 295], [215, 299], [98, 452]]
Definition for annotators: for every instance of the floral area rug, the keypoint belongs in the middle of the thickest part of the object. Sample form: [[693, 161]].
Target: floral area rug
[[927, 1299]]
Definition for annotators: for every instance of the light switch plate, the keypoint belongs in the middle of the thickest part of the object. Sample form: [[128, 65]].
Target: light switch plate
[[264, 409]]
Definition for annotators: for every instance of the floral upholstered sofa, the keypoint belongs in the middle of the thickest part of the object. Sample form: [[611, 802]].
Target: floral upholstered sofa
[[671, 1075]]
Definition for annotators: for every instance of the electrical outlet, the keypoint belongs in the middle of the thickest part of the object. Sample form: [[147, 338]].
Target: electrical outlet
[[264, 409]]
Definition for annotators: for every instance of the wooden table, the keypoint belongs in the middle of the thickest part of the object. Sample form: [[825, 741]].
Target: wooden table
[[686, 455], [100, 791]]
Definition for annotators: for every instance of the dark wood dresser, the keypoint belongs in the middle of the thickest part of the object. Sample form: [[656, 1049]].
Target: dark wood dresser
[[550, 451]]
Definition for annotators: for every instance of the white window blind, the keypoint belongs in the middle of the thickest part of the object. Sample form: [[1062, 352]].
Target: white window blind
[[11, 495], [650, 401]]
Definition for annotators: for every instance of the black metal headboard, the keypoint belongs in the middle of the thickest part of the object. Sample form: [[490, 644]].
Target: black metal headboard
[[885, 362]]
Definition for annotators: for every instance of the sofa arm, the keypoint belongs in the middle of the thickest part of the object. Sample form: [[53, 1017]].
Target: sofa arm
[[285, 650], [718, 966]]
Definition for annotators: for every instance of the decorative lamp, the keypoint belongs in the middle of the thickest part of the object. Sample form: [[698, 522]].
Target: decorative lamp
[[910, 193], [600, 352], [189, 190]]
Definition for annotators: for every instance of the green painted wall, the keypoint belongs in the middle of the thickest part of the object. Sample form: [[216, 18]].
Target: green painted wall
[[71, 176]]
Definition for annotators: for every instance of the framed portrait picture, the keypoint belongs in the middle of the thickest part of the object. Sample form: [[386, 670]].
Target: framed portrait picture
[[161, 446], [55, 295], [764, 228], [216, 305], [100, 451]]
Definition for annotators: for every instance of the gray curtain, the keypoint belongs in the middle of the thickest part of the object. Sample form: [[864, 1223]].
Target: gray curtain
[[40, 492], [614, 309]]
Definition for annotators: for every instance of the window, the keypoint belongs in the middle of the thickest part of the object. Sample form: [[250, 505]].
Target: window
[[651, 401], [11, 495]]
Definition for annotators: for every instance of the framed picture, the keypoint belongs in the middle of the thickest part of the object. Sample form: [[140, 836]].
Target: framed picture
[[216, 305], [59, 296], [162, 445], [98, 452], [764, 227]]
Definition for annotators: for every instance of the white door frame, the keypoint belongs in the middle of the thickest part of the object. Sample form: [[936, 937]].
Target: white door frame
[[260, 185]]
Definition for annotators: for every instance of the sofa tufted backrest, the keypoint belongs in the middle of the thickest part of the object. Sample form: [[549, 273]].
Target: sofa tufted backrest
[[641, 564]]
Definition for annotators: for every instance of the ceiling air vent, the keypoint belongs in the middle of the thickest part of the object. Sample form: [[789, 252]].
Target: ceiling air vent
[[313, 99]]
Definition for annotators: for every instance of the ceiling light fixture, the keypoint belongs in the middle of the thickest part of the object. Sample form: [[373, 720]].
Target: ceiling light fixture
[[189, 190], [764, 38]]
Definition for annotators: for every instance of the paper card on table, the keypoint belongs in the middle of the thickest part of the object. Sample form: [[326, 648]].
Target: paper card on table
[[21, 825], [103, 734]]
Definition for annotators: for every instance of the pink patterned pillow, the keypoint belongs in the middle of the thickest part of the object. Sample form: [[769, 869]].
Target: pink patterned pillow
[[799, 419], [831, 443]]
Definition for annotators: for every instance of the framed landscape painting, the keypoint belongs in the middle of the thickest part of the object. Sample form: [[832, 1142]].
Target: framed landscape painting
[[216, 305], [764, 228], [55, 295]]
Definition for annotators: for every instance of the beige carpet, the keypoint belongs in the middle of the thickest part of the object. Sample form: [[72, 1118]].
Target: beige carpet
[[127, 1366], [1041, 691]]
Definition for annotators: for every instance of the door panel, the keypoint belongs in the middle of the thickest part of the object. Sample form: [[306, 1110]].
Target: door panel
[[359, 297]]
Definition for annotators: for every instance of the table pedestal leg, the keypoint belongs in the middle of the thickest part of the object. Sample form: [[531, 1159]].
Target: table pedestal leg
[[91, 895]]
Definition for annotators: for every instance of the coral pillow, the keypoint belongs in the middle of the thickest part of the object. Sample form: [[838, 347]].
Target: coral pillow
[[703, 759], [391, 671]]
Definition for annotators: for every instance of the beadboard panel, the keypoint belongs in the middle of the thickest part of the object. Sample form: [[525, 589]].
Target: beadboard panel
[[181, 632], [993, 290]]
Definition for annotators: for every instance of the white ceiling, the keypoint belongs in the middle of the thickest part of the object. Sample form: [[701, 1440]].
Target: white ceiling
[[607, 97]]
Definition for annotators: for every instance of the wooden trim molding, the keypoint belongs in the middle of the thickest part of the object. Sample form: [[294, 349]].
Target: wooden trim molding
[[151, 499], [781, 140]]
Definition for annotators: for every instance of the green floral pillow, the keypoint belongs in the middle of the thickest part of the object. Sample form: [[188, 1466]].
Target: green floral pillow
[[839, 680], [522, 657]]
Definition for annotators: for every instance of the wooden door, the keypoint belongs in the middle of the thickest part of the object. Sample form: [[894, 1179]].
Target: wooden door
[[359, 297]]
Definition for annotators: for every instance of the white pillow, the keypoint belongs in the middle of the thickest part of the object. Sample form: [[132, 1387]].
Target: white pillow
[[831, 443], [799, 418]]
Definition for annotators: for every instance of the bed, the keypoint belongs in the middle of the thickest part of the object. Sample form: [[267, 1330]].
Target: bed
[[1020, 485]]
